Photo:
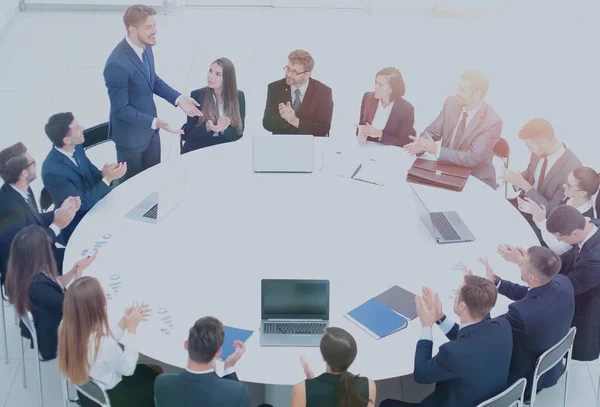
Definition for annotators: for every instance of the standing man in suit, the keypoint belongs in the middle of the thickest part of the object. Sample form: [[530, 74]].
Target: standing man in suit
[[473, 366], [18, 208], [466, 130], [581, 265], [541, 313], [198, 384], [131, 80], [67, 171], [298, 104]]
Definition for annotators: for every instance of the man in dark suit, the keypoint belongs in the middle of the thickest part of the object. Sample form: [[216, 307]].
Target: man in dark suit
[[67, 171], [198, 384], [466, 130], [473, 366], [131, 80], [541, 313], [298, 104], [18, 207], [581, 265]]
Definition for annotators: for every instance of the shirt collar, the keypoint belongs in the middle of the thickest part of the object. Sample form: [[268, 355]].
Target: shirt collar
[[584, 207], [380, 105], [138, 50], [25, 195], [592, 233], [200, 372], [68, 154], [471, 113], [557, 154], [461, 326], [302, 88]]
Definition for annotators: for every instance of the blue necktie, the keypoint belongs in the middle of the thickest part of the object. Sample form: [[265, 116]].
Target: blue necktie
[[296, 102], [146, 62]]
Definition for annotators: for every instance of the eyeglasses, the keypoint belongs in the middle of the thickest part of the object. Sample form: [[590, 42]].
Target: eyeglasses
[[287, 69], [30, 164], [569, 186]]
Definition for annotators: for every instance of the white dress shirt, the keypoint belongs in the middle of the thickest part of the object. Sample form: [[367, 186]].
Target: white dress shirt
[[470, 115], [226, 372], [382, 114], [139, 51], [112, 362], [302, 91], [551, 161], [552, 242], [446, 326], [70, 156], [26, 197]]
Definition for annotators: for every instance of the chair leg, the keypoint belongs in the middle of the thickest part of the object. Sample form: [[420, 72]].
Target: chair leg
[[566, 387], [4, 331], [40, 381], [23, 364], [16, 318]]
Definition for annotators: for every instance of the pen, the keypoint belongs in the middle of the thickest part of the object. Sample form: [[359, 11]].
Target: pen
[[356, 171]]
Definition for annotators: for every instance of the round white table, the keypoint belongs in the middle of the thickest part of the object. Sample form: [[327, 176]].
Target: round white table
[[237, 227]]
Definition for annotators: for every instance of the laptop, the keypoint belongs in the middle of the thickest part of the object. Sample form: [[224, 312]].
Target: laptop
[[445, 227], [294, 312], [159, 204], [283, 153]]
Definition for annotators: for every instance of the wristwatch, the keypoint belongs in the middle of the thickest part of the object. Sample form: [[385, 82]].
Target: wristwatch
[[442, 319], [497, 280]]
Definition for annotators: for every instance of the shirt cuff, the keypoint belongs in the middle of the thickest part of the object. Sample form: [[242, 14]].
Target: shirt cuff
[[117, 332], [177, 100], [426, 334], [128, 340], [106, 181], [541, 225], [153, 127], [229, 371], [446, 326], [439, 149], [55, 229]]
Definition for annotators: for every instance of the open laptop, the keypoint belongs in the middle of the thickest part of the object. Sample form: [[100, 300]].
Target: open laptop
[[294, 312], [158, 205], [445, 227], [283, 153]]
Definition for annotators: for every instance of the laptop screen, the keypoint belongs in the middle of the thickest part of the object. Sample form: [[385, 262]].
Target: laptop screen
[[295, 299], [424, 213]]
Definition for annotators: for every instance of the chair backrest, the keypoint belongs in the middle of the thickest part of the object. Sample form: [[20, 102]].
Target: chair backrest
[[555, 354], [510, 397], [95, 135], [45, 200], [94, 392], [502, 149]]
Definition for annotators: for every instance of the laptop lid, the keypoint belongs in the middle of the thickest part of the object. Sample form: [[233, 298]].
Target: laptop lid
[[424, 214], [172, 195], [283, 153], [295, 299]]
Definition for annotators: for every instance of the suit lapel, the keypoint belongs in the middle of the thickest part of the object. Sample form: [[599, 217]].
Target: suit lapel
[[475, 121], [28, 208], [558, 165], [307, 98], [137, 61], [371, 108], [66, 161]]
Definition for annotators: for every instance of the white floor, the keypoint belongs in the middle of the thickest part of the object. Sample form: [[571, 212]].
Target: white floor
[[540, 65]]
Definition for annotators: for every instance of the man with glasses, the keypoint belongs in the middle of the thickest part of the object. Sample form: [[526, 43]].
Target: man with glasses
[[298, 104], [18, 208]]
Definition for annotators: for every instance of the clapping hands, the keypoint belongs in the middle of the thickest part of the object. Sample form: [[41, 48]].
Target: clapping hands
[[366, 130], [421, 145], [429, 307], [232, 359], [134, 315], [222, 123], [538, 212]]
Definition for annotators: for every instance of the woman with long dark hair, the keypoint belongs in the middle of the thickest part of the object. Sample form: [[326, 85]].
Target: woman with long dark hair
[[336, 387], [33, 285], [89, 349], [223, 109]]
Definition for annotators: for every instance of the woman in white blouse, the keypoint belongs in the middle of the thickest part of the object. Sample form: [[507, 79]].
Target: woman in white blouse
[[385, 116], [89, 349]]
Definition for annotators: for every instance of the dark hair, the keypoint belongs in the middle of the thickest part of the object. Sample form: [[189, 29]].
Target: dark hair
[[395, 80], [205, 339], [544, 261], [136, 14], [57, 127], [30, 255], [564, 220], [589, 180], [537, 129], [479, 294], [13, 162], [339, 350]]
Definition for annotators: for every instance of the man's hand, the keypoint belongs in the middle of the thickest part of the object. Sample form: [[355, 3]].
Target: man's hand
[[516, 179], [112, 172], [232, 359], [307, 370], [189, 106], [161, 124], [433, 301], [489, 272], [427, 314], [421, 145], [65, 214], [527, 205], [512, 254], [288, 114]]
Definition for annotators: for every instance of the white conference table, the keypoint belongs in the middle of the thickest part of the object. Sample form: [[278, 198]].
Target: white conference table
[[237, 227]]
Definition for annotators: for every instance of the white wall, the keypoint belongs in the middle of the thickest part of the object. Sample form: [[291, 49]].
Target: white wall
[[7, 10]]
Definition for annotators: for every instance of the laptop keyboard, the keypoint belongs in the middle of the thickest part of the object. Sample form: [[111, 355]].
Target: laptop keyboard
[[443, 226], [291, 328], [152, 213]]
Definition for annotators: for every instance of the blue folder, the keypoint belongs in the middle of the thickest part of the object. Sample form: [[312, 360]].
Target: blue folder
[[231, 335], [376, 319]]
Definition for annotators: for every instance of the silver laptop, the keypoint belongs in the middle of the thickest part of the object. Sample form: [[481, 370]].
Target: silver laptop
[[445, 227], [158, 205], [283, 153], [294, 312]]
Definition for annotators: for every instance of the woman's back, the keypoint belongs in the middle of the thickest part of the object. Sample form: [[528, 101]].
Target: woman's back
[[322, 391], [46, 298]]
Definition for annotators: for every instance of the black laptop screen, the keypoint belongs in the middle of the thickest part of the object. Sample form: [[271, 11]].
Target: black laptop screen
[[295, 299]]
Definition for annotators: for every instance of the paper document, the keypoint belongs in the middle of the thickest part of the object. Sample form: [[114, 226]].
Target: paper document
[[341, 165]]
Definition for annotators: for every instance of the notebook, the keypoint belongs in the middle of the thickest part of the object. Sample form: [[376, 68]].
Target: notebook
[[231, 335], [399, 300], [376, 319]]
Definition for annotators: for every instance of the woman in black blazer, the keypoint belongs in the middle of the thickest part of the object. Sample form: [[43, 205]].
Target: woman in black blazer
[[223, 109], [33, 285], [385, 116]]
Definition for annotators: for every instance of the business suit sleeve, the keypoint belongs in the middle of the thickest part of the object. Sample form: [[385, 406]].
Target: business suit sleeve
[[432, 370], [48, 298], [117, 83], [550, 204], [272, 120], [585, 276], [434, 130], [60, 188], [479, 150], [511, 290], [322, 120], [165, 91], [398, 136], [362, 120], [514, 318]]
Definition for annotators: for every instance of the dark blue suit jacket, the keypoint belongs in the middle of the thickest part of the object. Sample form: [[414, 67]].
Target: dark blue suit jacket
[[469, 369], [539, 317], [62, 179], [131, 93], [207, 390]]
